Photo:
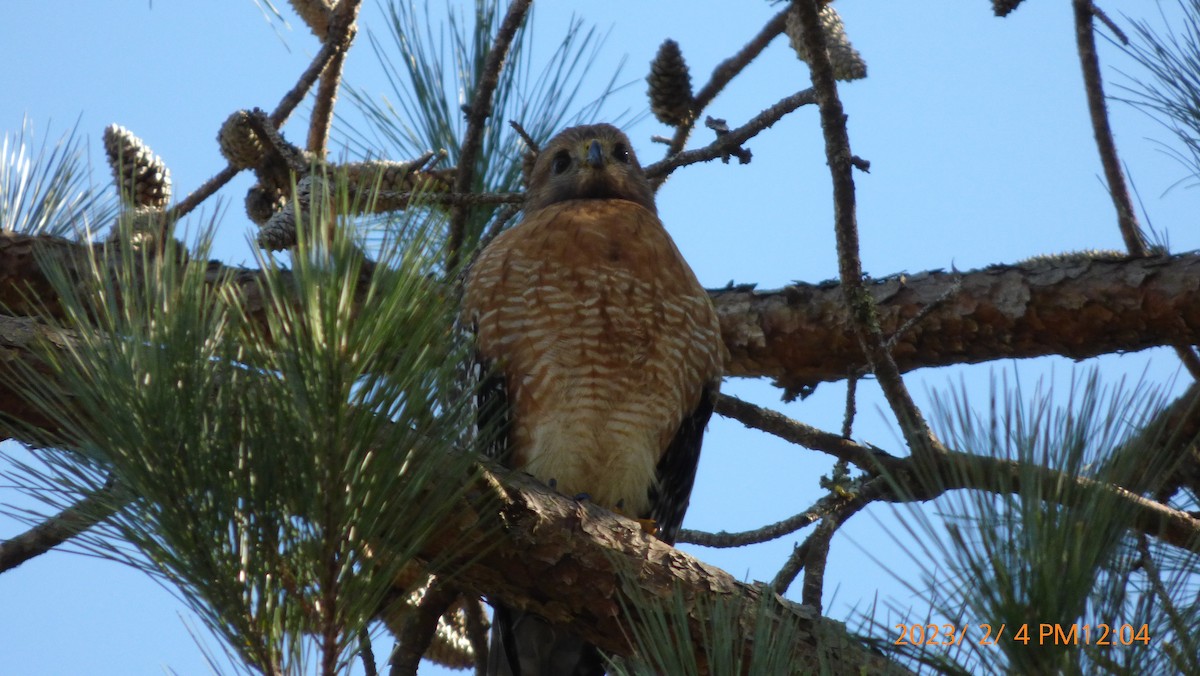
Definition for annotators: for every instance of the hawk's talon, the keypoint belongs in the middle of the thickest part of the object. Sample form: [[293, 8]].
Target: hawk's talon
[[582, 497], [649, 526]]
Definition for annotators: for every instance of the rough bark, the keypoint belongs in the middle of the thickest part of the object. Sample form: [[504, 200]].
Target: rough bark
[[579, 565], [1075, 307]]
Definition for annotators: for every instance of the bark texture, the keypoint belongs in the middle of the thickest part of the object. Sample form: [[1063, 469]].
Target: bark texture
[[579, 565], [1073, 306]]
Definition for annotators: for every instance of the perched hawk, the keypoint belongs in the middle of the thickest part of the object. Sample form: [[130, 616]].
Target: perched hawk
[[606, 356]]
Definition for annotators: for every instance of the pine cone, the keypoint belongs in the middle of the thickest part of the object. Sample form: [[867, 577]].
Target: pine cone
[[847, 63], [670, 85], [239, 144], [142, 178], [262, 203], [1003, 7]]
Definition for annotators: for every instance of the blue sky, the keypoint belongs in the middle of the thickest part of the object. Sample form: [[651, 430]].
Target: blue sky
[[981, 152]]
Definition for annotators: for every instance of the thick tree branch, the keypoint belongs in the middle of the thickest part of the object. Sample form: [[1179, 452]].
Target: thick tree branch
[[577, 565], [1075, 306]]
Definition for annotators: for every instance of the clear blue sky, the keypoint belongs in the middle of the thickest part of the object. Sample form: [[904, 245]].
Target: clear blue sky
[[980, 149]]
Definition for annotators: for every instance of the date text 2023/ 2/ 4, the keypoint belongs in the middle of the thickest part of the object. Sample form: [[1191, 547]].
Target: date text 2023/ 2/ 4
[[1047, 633]]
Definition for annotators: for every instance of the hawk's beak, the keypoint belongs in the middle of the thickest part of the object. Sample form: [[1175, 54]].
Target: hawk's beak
[[595, 155]]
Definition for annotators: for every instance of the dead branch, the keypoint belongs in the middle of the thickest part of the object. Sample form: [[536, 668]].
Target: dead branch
[[920, 438]]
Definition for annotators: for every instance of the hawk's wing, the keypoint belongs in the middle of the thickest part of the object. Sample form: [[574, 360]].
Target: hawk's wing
[[676, 471], [493, 415]]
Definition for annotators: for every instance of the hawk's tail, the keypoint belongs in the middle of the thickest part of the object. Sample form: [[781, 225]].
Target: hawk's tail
[[524, 644]]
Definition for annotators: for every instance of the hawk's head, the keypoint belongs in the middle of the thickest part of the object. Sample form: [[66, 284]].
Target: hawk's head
[[587, 162]]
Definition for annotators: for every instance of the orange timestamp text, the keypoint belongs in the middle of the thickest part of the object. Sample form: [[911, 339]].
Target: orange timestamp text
[[1046, 633]]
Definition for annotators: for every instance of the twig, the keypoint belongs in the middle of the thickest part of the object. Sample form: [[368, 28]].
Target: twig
[[1112, 25], [1118, 188], [296, 94], [366, 653], [721, 76], [921, 440], [815, 548], [953, 470], [342, 30], [731, 141], [193, 200], [480, 111], [1131, 231], [529, 141], [791, 568], [815, 559], [851, 405], [774, 531], [88, 511], [417, 632], [772, 422]]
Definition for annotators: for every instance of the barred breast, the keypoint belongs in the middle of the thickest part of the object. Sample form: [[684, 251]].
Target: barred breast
[[605, 339]]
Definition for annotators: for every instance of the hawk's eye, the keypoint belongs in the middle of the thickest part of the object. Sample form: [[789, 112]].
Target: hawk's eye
[[621, 153], [562, 161]]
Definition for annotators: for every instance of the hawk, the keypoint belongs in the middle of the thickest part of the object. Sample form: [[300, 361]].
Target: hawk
[[604, 354]]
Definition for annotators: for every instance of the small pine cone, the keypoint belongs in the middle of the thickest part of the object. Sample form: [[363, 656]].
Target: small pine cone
[[312, 193], [847, 63], [262, 203], [279, 232], [140, 226], [142, 178], [1003, 7], [239, 144], [451, 645], [670, 85]]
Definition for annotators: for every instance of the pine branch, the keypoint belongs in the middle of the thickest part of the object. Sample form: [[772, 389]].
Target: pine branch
[[732, 140], [1076, 306]]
